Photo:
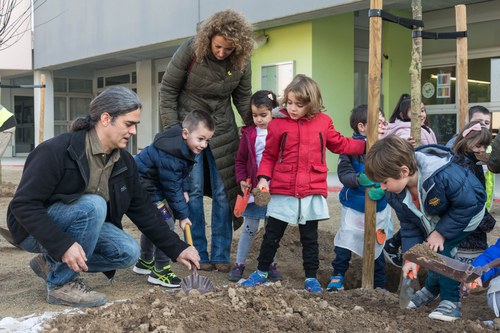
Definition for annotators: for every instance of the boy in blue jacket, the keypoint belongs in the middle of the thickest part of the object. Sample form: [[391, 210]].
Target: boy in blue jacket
[[164, 167], [436, 201], [349, 237]]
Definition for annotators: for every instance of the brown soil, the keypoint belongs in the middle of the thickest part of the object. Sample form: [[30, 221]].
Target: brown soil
[[424, 252], [138, 307]]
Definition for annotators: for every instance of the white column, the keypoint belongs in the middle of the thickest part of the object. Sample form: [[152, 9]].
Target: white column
[[48, 130], [147, 129], [495, 80]]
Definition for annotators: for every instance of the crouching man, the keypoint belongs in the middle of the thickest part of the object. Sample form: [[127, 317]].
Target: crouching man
[[72, 196]]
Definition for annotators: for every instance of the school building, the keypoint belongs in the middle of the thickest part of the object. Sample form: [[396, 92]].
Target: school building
[[81, 47]]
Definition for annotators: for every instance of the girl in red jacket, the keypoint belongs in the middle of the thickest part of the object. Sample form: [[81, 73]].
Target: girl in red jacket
[[295, 160], [252, 144]]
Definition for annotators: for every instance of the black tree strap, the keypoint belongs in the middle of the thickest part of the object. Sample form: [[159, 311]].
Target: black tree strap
[[403, 21], [22, 85], [438, 35]]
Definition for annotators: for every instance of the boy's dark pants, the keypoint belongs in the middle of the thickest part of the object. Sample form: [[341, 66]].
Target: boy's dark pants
[[341, 264], [448, 289], [308, 238]]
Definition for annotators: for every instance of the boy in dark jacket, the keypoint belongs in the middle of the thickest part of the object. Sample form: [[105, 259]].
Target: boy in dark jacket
[[164, 167], [436, 201], [349, 237]]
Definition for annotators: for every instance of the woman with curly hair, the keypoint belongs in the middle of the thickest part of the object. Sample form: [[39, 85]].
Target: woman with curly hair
[[206, 73]]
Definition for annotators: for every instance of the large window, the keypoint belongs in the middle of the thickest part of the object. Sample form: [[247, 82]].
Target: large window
[[439, 95], [71, 100], [438, 83], [276, 77]]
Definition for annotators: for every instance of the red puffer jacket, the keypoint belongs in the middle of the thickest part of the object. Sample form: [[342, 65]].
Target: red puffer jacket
[[295, 159]]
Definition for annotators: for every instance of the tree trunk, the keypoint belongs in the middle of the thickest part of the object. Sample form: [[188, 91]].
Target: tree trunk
[[415, 75]]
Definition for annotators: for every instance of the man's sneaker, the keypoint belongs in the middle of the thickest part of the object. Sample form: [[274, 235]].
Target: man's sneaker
[[144, 267], [421, 298], [39, 265], [447, 311], [255, 279], [312, 285], [336, 283], [236, 273], [164, 277], [76, 293], [394, 258], [273, 274]]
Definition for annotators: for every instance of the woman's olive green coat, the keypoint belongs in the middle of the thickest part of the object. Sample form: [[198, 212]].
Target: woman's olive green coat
[[210, 85]]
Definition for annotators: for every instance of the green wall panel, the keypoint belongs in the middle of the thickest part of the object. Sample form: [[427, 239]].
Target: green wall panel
[[333, 69], [396, 48], [286, 43]]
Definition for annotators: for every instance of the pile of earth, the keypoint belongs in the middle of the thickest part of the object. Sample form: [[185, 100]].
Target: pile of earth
[[283, 306], [273, 308]]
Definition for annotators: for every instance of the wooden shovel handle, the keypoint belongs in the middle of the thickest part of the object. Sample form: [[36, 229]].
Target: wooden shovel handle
[[187, 231], [493, 264]]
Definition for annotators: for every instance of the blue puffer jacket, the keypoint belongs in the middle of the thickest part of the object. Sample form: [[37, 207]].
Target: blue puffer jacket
[[452, 197], [352, 194], [490, 254], [164, 167]]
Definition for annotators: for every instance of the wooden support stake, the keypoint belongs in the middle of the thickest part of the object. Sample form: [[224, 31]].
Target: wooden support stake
[[42, 109], [415, 76], [462, 72], [374, 75]]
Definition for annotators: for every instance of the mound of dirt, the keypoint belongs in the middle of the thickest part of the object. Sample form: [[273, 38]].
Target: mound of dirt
[[263, 309], [283, 306]]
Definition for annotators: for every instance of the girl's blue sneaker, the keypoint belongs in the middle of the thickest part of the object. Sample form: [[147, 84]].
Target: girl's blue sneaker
[[336, 283], [255, 279], [312, 285]]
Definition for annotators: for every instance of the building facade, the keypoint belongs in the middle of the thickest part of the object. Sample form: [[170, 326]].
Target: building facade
[[83, 47]]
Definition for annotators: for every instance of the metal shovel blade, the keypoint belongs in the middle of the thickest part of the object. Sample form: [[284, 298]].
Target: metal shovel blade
[[406, 292], [195, 281], [446, 266]]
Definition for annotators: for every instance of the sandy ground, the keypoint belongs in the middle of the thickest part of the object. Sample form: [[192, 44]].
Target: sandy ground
[[138, 307]]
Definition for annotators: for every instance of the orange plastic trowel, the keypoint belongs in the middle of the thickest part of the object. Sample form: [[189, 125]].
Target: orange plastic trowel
[[242, 200]]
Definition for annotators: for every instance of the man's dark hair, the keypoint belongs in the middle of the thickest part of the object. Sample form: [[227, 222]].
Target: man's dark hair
[[115, 101]]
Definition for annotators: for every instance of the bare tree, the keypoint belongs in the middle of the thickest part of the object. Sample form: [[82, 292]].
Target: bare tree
[[13, 25]]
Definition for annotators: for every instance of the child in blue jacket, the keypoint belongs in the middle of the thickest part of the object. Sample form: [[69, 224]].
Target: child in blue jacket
[[164, 167], [491, 278], [437, 202], [349, 238]]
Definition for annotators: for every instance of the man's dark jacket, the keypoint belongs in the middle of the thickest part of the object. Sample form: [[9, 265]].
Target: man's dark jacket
[[58, 170]]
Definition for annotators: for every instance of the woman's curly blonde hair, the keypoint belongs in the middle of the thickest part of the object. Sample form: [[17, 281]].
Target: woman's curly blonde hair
[[232, 26]]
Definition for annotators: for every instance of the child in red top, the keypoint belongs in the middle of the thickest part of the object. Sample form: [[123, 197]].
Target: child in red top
[[295, 161]]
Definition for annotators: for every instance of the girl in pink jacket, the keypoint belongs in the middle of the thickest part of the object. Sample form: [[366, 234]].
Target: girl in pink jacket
[[294, 169], [400, 122]]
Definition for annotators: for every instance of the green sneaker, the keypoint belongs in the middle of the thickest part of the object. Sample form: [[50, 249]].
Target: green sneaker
[[144, 267], [164, 277]]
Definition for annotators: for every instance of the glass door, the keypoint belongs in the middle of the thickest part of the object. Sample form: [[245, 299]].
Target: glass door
[[24, 110]]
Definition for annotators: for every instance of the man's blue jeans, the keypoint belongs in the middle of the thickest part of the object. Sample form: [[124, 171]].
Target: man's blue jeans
[[222, 231], [106, 246]]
